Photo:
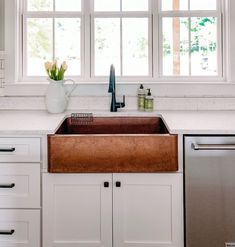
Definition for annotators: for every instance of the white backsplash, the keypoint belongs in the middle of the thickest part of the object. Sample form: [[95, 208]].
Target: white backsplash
[[92, 103]]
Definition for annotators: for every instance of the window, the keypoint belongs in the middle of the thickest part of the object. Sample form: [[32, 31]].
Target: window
[[121, 37], [150, 39], [190, 38], [52, 30]]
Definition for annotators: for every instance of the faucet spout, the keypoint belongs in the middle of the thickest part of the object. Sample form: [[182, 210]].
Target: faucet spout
[[112, 79], [112, 89]]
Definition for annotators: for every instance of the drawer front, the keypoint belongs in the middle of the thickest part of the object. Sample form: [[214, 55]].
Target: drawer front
[[19, 228], [20, 185], [19, 149]]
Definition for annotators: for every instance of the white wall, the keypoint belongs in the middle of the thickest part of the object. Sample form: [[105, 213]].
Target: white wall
[[2, 24]]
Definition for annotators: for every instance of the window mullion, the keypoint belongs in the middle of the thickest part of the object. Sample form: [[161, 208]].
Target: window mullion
[[51, 15], [150, 45], [87, 46], [189, 46], [189, 41], [155, 5], [24, 45], [121, 48], [53, 38], [25, 6], [220, 55], [184, 13], [150, 39], [53, 32]]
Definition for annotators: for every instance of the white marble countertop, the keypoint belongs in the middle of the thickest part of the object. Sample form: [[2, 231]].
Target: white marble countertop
[[29, 122], [178, 122], [200, 122]]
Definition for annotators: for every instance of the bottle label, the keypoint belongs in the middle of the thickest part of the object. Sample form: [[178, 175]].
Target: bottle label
[[141, 103], [149, 105]]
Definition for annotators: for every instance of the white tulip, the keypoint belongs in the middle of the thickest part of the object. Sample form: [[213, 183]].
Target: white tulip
[[54, 65], [64, 66], [47, 66]]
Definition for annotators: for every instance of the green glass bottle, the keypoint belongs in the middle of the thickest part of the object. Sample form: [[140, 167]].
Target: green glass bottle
[[149, 102], [141, 98]]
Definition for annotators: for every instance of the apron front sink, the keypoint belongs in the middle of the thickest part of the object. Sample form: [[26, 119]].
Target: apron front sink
[[112, 144]]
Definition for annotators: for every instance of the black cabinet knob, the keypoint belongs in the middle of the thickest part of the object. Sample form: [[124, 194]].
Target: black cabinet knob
[[118, 184], [106, 184]]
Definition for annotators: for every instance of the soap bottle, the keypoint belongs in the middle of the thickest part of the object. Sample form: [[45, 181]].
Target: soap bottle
[[149, 102], [141, 98]]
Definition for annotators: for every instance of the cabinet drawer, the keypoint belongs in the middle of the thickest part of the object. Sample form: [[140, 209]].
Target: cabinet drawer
[[19, 228], [19, 149], [20, 185]]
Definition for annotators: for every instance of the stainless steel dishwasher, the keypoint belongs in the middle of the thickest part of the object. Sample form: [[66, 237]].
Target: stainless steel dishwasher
[[209, 173]]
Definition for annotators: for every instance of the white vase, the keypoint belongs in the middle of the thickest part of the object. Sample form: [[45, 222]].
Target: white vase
[[57, 96]]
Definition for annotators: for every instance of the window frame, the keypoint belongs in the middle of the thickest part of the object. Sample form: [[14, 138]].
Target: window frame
[[155, 46]]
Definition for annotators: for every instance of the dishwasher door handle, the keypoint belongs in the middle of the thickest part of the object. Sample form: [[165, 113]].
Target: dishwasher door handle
[[215, 147]]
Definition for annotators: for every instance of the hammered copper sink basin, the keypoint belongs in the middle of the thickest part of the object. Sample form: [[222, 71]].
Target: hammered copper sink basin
[[112, 144]]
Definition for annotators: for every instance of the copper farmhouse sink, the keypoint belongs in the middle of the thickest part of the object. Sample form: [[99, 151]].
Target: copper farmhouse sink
[[112, 144]]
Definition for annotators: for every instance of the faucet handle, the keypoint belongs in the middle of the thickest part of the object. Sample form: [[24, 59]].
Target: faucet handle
[[123, 104]]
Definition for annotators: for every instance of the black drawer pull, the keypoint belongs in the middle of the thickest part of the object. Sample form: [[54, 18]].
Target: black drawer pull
[[106, 184], [118, 184], [7, 232], [7, 150], [7, 186]]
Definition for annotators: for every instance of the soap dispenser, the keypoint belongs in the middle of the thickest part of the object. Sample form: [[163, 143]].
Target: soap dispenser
[[149, 102], [141, 98]]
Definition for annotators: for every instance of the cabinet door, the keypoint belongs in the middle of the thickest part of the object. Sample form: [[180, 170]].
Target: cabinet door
[[77, 210], [148, 210]]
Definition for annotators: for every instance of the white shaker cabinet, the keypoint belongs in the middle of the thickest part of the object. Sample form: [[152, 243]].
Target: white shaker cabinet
[[147, 210], [136, 210], [77, 210], [20, 205]]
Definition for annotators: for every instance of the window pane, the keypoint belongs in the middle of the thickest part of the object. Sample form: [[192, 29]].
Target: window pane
[[135, 5], [39, 45], [67, 43], [107, 5], [40, 5], [175, 46], [107, 45], [203, 5], [135, 46], [168, 5], [68, 5], [204, 46]]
